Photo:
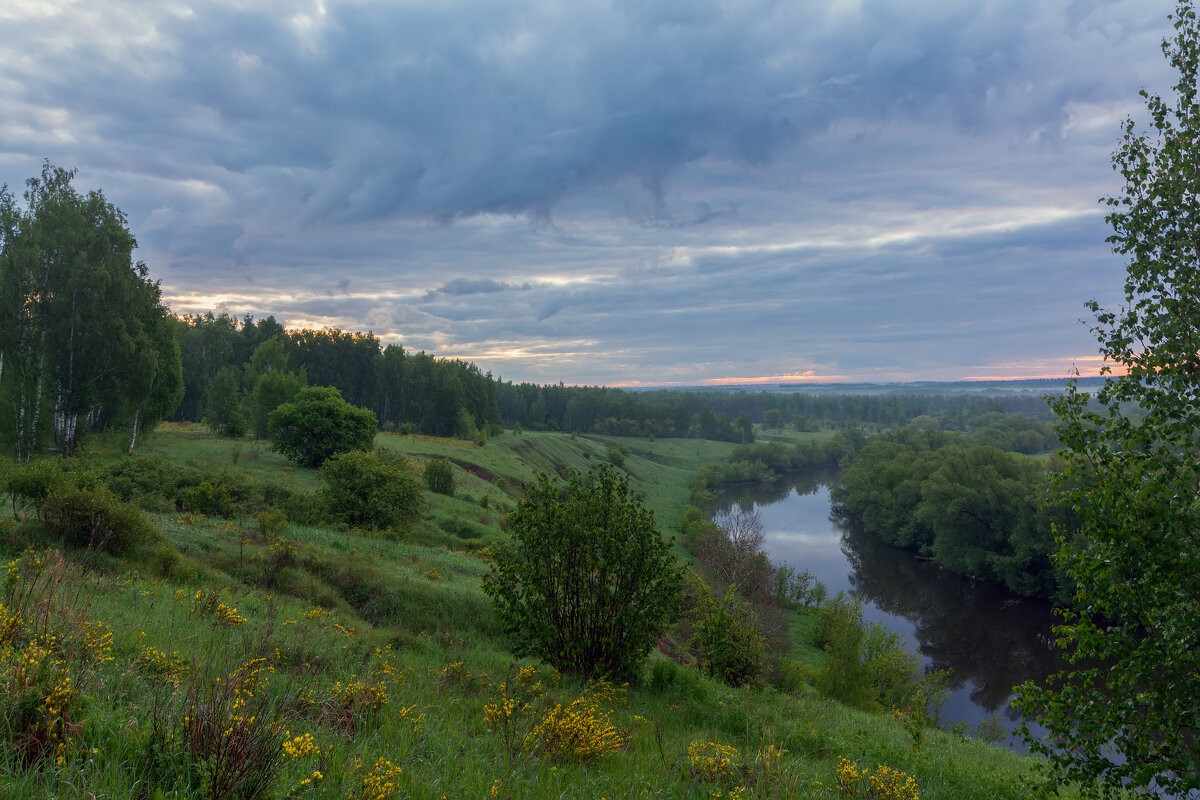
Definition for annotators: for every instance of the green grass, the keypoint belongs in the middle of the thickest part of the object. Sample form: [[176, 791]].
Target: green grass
[[406, 616]]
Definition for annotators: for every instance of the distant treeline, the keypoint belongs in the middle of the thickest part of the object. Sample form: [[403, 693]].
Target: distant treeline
[[715, 414], [236, 371]]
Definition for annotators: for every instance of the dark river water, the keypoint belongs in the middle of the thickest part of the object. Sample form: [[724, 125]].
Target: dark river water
[[989, 638]]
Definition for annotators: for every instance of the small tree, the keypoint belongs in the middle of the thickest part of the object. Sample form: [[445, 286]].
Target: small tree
[[587, 583], [728, 643], [733, 551], [317, 424], [371, 490], [439, 477], [222, 414]]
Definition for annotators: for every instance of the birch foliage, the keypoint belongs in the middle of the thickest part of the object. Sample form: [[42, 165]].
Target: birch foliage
[[1128, 711]]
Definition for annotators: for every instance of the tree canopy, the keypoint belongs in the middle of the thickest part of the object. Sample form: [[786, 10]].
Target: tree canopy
[[1126, 713], [84, 335], [317, 424]]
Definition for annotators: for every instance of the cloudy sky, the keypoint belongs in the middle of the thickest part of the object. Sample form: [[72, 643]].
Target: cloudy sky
[[610, 191]]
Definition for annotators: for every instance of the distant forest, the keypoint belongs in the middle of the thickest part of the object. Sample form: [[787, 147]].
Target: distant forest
[[236, 371]]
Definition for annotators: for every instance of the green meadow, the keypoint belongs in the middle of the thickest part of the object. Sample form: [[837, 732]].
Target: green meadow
[[240, 657]]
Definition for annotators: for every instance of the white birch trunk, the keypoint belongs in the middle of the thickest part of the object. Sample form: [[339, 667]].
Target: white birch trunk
[[133, 436]]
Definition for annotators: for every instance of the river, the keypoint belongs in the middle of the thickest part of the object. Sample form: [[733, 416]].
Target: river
[[990, 638]]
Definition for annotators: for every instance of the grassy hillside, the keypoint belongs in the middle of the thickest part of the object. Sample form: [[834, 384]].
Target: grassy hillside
[[320, 663]]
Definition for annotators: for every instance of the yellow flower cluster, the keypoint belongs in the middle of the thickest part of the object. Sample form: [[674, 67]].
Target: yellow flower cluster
[[885, 784], [284, 550], [888, 783], [242, 685], [710, 761], [359, 695], [455, 674], [579, 733], [498, 712], [96, 642], [770, 760], [10, 621], [311, 779], [207, 603], [166, 668], [848, 776], [416, 721], [295, 747], [378, 784], [385, 664], [33, 676], [734, 794]]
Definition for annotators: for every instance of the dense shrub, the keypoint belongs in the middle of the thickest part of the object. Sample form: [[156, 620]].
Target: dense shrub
[[142, 478], [317, 424], [587, 583], [868, 666], [208, 498], [29, 484], [439, 477], [376, 490], [97, 519]]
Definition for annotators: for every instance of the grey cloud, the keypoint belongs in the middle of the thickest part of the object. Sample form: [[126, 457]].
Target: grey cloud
[[462, 286]]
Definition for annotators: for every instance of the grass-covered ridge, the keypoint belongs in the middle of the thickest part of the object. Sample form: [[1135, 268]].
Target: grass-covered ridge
[[236, 660]]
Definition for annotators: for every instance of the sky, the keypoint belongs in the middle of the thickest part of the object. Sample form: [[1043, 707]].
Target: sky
[[611, 192]]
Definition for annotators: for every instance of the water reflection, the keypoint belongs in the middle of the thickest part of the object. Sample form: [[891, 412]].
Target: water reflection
[[988, 637]]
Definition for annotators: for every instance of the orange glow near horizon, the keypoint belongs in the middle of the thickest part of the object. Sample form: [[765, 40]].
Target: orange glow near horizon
[[1082, 367]]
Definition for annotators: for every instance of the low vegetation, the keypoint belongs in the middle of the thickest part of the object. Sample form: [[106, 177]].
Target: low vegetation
[[264, 656]]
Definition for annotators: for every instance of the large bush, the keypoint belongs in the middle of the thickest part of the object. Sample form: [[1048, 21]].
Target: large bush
[[97, 519], [586, 583], [376, 490], [317, 424]]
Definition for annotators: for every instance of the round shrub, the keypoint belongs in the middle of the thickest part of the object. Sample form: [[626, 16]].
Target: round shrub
[[317, 424], [209, 499], [586, 583], [30, 484], [370, 490], [96, 519]]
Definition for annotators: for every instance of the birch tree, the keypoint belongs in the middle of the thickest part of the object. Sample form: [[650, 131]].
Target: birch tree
[[1127, 712], [78, 318]]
